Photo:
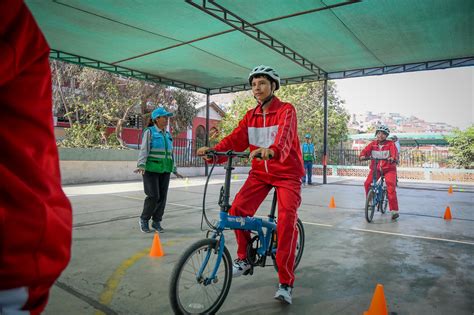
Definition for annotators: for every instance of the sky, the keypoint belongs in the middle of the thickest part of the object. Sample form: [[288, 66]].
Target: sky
[[434, 96]]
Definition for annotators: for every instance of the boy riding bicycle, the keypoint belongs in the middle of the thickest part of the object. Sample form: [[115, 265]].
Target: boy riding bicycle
[[271, 130], [389, 167]]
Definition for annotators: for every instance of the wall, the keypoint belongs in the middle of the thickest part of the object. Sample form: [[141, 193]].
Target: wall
[[79, 166]]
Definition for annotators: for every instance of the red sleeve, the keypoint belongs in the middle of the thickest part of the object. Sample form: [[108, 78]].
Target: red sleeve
[[21, 41], [393, 150], [35, 215], [366, 151], [287, 124]]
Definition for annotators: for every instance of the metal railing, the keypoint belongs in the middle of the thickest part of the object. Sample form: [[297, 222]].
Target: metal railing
[[185, 156]]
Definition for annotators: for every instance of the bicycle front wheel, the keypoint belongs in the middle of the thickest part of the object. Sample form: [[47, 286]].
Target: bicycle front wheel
[[299, 246], [369, 206], [189, 292]]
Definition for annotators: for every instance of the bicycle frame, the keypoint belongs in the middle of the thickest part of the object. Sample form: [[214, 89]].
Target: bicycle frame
[[227, 221], [377, 187]]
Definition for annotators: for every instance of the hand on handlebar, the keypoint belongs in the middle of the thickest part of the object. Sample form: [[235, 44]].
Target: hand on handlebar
[[262, 153], [204, 153], [364, 158]]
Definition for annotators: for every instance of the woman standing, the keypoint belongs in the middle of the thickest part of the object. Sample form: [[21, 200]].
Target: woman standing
[[155, 163]]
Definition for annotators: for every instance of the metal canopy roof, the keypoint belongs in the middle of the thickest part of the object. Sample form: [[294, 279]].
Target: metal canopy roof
[[210, 46]]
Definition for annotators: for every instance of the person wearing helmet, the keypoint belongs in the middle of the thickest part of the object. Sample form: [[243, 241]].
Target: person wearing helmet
[[387, 148], [269, 129], [308, 158], [155, 164]]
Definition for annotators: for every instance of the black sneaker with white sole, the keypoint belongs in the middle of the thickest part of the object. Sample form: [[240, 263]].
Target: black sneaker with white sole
[[144, 227], [157, 226]]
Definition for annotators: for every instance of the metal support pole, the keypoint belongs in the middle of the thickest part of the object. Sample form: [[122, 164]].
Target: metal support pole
[[206, 170], [325, 139]]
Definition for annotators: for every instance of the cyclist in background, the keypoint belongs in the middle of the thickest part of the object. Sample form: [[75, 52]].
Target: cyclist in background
[[387, 149], [271, 130]]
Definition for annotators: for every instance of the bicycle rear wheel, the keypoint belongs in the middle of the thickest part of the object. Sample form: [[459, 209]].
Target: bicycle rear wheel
[[369, 206], [299, 246], [188, 293], [382, 206]]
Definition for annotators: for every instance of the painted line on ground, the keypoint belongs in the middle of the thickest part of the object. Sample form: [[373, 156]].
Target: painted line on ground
[[114, 280], [112, 283], [169, 203], [414, 236], [318, 224], [354, 229]]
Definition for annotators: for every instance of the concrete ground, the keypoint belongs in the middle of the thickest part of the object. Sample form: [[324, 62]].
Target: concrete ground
[[424, 262]]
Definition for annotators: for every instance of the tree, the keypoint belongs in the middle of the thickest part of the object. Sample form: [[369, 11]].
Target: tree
[[94, 100], [308, 101], [184, 108], [462, 146], [240, 105]]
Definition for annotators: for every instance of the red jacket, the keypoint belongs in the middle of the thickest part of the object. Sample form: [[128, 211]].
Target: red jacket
[[388, 148], [277, 130], [35, 215]]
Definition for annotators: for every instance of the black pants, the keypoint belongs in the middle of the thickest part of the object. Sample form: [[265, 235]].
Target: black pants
[[156, 190]]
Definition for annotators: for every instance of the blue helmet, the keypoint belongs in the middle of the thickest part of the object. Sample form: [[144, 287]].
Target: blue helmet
[[160, 112], [307, 136]]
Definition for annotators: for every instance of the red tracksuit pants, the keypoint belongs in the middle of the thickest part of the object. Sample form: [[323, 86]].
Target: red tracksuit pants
[[391, 180], [246, 203]]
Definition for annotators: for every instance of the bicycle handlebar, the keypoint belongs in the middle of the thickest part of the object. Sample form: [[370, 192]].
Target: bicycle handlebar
[[211, 153]]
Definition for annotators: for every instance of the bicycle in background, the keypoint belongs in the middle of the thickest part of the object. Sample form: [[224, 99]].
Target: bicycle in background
[[377, 196], [202, 277]]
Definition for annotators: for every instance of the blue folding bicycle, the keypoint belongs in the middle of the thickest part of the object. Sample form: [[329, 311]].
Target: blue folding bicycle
[[202, 277]]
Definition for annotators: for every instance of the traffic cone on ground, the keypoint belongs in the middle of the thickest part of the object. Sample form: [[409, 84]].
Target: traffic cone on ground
[[378, 306], [447, 214], [332, 203], [156, 249], [450, 190]]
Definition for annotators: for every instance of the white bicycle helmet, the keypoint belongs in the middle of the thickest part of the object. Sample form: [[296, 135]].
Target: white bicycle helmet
[[383, 128], [266, 70]]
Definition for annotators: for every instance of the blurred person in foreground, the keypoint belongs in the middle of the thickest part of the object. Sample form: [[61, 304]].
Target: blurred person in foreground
[[35, 215]]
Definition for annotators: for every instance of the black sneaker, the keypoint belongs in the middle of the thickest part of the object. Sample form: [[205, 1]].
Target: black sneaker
[[395, 215], [144, 226], [157, 226]]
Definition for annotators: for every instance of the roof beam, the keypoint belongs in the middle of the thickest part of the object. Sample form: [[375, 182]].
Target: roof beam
[[332, 6], [421, 66], [411, 67], [96, 64], [219, 12]]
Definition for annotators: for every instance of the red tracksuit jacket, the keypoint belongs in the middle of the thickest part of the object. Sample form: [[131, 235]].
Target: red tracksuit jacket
[[390, 149], [276, 130], [35, 215]]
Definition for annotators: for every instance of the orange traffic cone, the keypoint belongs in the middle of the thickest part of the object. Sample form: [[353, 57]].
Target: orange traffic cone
[[378, 306], [156, 249], [450, 190], [332, 203], [447, 214]]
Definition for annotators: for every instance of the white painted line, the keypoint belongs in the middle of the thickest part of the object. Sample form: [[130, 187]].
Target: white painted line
[[415, 236], [169, 203], [318, 224]]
